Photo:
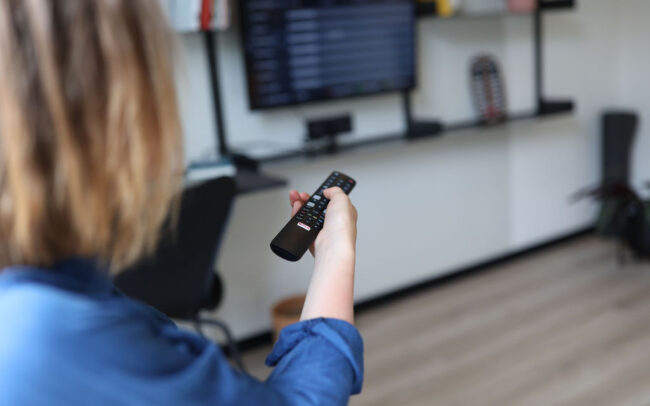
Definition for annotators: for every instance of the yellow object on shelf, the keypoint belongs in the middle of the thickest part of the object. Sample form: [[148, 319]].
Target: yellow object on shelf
[[445, 8]]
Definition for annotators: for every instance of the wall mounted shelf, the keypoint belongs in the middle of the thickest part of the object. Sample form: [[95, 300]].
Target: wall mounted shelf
[[557, 4], [544, 106], [428, 10], [560, 109], [416, 128]]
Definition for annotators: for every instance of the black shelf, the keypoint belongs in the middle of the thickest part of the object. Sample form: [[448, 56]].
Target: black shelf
[[248, 181], [549, 107], [428, 10], [559, 109], [557, 4]]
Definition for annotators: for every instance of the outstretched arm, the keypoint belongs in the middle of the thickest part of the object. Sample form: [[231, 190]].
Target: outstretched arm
[[331, 290], [318, 361]]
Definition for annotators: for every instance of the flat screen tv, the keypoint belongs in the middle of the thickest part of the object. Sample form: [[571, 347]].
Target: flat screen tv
[[300, 51]]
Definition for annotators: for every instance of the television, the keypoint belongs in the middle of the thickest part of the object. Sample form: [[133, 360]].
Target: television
[[300, 51]]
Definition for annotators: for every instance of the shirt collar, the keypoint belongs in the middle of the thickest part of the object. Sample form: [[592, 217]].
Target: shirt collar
[[76, 274]]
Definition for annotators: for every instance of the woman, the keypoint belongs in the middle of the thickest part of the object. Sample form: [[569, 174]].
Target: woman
[[89, 161]]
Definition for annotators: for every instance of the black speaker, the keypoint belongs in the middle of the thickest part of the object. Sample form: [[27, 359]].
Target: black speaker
[[329, 127]]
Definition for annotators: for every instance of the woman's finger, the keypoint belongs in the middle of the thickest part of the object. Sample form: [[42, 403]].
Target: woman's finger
[[332, 192], [293, 197], [296, 206]]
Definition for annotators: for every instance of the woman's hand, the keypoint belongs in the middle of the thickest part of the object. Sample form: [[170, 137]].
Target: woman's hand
[[339, 232], [331, 291]]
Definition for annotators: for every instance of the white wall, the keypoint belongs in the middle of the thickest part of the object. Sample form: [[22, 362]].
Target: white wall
[[553, 159], [194, 98], [433, 206], [634, 79]]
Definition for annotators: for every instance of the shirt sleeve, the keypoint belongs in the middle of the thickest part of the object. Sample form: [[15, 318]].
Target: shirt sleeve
[[318, 361]]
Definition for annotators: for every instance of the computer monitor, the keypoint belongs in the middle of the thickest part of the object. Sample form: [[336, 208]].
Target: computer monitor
[[299, 51]]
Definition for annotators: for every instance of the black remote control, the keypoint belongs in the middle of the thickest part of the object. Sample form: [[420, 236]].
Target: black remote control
[[300, 232]]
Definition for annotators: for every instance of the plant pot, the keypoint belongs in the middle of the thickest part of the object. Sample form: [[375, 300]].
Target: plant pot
[[286, 311]]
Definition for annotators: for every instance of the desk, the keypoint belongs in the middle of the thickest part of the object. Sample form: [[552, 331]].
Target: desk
[[247, 181]]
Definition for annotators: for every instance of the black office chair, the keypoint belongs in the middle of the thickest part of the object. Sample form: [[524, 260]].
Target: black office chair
[[179, 279], [624, 215], [618, 135]]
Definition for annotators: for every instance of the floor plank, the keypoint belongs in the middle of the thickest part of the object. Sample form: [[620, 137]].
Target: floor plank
[[565, 326]]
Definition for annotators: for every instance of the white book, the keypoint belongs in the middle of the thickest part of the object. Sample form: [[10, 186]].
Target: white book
[[483, 7]]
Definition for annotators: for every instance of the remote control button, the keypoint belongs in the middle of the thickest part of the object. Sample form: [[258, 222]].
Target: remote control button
[[310, 204], [304, 226], [316, 197]]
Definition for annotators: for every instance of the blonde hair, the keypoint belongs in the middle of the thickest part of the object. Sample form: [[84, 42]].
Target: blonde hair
[[90, 149]]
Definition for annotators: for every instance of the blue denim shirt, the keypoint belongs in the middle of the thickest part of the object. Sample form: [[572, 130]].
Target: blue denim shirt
[[67, 337]]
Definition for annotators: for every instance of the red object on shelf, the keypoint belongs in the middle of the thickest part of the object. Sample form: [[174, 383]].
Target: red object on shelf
[[206, 14], [522, 6]]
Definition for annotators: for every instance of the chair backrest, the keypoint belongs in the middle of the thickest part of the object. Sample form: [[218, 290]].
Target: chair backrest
[[179, 279], [618, 133]]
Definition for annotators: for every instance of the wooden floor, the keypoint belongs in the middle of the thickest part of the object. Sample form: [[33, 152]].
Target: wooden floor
[[565, 326]]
